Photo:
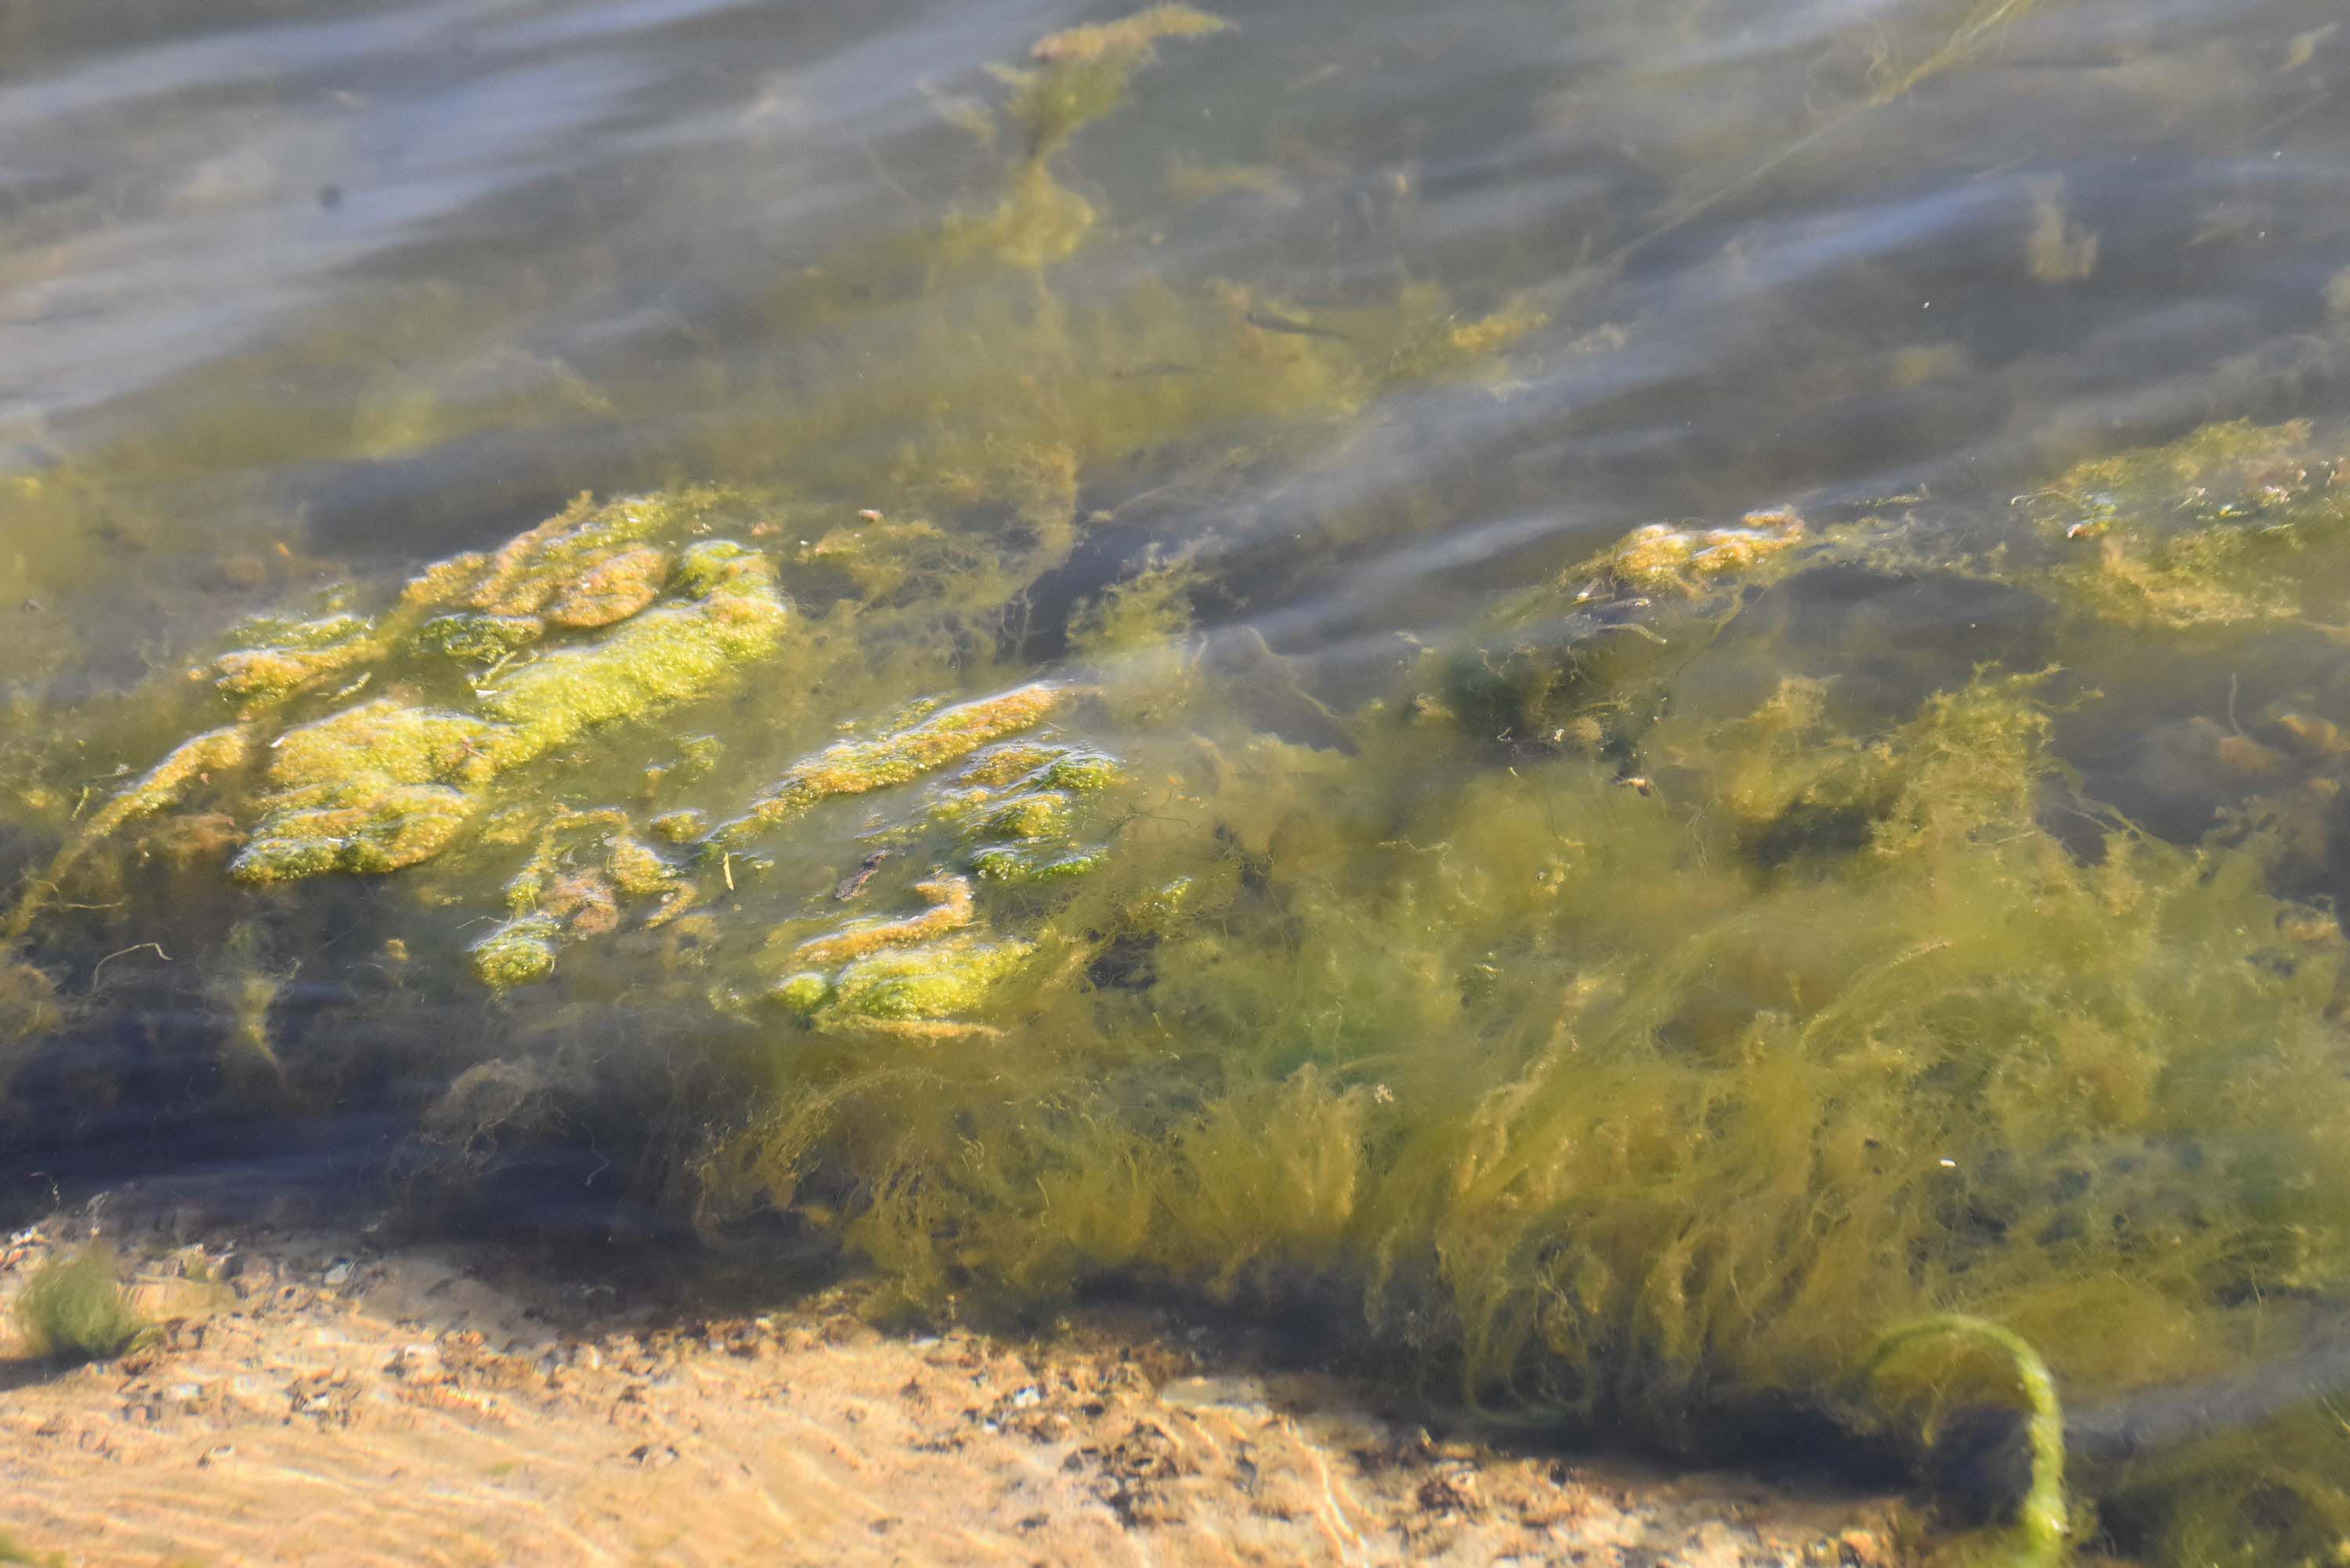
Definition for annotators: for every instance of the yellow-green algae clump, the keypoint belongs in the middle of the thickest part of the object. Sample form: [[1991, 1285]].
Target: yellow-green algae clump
[[2237, 524], [387, 783], [934, 974], [855, 767]]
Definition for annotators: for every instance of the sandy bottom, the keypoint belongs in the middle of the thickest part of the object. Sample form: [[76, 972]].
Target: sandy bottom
[[315, 1398]]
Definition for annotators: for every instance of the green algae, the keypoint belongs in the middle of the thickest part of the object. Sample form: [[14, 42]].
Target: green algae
[[518, 953], [1727, 1113], [936, 981], [282, 656], [937, 974], [668, 655], [1081, 72], [73, 1309], [1617, 1051], [1646, 1078], [2040, 1530], [369, 790], [389, 783], [1020, 865], [2231, 525], [857, 767]]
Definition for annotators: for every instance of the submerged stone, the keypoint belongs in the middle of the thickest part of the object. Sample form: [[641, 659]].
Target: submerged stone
[[733, 615], [941, 980], [519, 952], [389, 783]]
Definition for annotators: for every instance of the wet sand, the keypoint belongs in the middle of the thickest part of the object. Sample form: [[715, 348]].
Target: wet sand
[[315, 1398]]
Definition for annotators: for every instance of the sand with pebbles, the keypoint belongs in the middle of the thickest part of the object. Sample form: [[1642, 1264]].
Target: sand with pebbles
[[314, 1397]]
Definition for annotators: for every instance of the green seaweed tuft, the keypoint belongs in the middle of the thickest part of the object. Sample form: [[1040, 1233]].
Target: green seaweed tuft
[[73, 1309]]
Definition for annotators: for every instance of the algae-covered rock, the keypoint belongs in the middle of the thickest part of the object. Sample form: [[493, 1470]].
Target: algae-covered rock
[[282, 656], [938, 981], [950, 909], [588, 874], [1577, 665], [937, 972], [371, 789], [856, 767], [1662, 556], [729, 612], [518, 953], [389, 783]]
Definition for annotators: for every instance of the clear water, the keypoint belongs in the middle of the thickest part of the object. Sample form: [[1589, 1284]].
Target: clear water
[[1574, 965]]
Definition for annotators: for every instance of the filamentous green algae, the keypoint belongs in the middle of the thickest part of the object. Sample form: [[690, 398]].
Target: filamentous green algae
[[1586, 1015]]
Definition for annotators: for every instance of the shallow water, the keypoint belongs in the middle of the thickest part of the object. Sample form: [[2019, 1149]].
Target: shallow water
[[1627, 974]]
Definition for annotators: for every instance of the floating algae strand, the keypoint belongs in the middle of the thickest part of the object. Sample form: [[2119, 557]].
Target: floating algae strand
[[2037, 1537], [1591, 1021]]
